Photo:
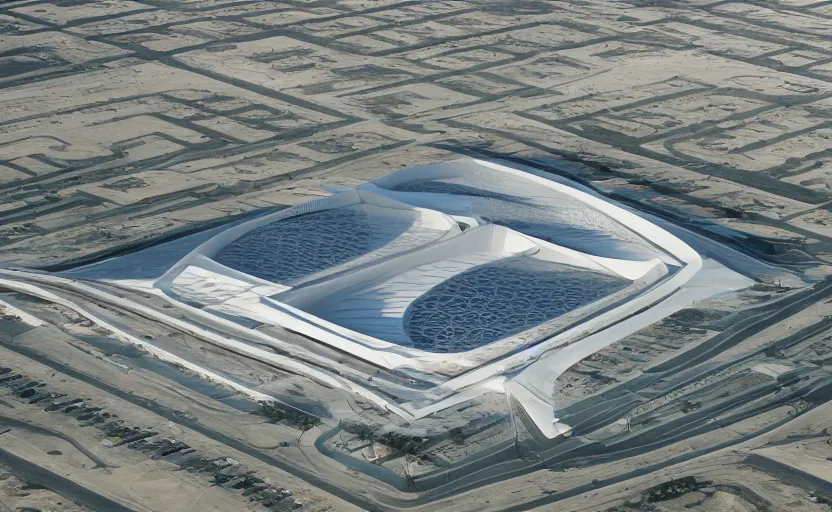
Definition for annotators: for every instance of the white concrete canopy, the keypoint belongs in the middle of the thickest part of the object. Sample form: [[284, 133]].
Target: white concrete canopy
[[519, 275]]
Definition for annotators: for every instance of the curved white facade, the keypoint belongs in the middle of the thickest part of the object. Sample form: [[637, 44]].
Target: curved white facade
[[518, 275]]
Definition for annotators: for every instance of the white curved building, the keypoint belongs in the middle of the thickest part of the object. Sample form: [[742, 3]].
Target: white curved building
[[454, 278]]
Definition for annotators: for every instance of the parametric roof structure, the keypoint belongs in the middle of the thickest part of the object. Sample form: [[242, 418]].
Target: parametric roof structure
[[465, 258], [291, 249], [540, 209], [516, 274]]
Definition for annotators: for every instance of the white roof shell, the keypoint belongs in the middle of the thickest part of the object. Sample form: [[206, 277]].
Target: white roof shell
[[419, 229]]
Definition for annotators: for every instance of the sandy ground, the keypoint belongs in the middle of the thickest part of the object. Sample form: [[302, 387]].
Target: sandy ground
[[125, 122]]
